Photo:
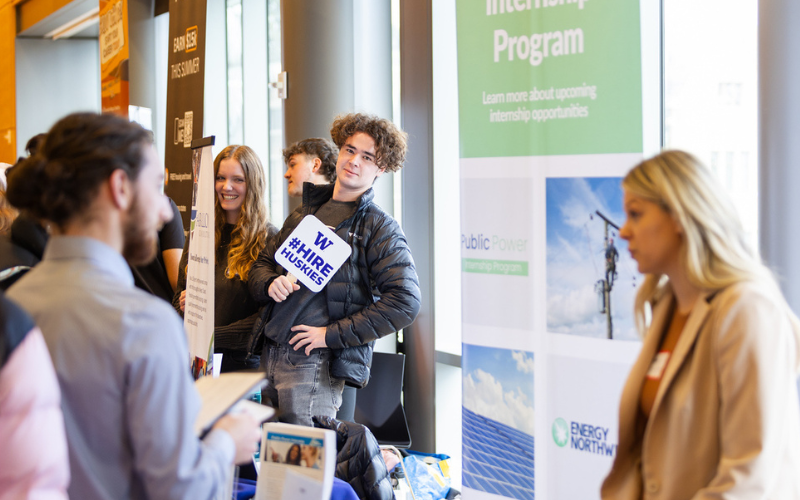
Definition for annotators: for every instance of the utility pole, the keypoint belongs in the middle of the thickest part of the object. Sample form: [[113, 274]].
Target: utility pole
[[608, 281]]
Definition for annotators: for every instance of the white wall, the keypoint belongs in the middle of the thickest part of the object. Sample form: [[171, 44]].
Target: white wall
[[54, 78]]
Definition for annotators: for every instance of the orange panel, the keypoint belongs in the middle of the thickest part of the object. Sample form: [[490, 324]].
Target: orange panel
[[8, 94], [33, 11]]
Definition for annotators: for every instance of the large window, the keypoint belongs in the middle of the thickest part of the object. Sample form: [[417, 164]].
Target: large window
[[254, 110], [233, 25], [710, 93]]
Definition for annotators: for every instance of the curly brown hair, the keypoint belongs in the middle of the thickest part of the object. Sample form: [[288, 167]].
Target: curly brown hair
[[316, 148], [390, 141]]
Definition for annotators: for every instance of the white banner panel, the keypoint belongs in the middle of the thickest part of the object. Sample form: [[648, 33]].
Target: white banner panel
[[199, 312], [551, 116]]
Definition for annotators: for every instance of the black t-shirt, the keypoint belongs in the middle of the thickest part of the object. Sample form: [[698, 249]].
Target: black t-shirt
[[305, 307], [153, 277], [332, 213], [235, 311], [232, 300]]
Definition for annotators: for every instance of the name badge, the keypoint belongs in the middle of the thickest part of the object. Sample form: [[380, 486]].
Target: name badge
[[658, 366]]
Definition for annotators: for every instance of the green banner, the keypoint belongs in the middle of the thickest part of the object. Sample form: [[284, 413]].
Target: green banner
[[492, 266], [549, 77]]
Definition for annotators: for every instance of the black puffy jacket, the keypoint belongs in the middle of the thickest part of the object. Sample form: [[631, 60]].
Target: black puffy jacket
[[375, 292], [358, 459]]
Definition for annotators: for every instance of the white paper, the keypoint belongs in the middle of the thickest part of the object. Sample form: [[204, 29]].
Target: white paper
[[259, 412], [299, 487], [295, 450], [217, 366]]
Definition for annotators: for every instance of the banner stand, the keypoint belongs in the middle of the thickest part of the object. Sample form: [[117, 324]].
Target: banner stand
[[551, 116], [198, 318]]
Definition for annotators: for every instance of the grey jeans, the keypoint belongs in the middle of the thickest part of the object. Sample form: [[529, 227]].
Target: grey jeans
[[300, 386]]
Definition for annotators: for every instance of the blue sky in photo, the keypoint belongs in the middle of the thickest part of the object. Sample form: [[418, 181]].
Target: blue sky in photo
[[501, 364], [607, 191], [498, 384], [576, 259]]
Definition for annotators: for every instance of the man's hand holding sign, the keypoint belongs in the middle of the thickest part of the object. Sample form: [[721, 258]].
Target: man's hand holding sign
[[314, 252]]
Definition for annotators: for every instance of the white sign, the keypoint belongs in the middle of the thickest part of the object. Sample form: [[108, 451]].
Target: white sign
[[313, 253], [198, 317]]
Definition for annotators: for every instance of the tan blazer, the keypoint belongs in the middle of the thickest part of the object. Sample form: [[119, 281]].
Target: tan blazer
[[725, 423]]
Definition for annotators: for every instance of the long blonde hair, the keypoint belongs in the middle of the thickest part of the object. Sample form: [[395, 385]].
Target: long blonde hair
[[715, 252], [249, 236]]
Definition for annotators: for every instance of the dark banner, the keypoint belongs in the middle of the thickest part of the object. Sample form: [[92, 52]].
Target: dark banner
[[187, 51]]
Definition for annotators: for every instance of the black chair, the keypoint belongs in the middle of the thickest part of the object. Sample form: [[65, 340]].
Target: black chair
[[378, 405], [347, 410]]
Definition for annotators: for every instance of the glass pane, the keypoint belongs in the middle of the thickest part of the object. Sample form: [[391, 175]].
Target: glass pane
[[275, 66], [397, 195], [235, 88], [710, 93]]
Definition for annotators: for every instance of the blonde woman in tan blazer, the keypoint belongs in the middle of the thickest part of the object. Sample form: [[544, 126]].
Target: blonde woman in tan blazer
[[710, 408]]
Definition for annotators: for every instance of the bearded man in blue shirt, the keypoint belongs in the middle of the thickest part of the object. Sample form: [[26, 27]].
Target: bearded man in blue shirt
[[120, 354]]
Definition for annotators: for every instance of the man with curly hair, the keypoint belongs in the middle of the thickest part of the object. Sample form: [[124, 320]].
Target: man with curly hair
[[310, 160], [314, 343]]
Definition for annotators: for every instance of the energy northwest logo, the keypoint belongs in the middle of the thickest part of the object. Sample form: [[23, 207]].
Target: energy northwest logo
[[588, 438], [560, 432]]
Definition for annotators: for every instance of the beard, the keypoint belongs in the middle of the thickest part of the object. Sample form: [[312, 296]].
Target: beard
[[139, 241]]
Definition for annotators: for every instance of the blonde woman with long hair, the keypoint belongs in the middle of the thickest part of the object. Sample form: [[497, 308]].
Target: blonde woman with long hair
[[242, 228], [710, 408]]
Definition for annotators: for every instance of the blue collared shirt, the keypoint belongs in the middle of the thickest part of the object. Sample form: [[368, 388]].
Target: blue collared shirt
[[122, 362]]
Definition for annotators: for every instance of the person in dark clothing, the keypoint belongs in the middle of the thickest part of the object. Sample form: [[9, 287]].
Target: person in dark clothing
[[310, 160], [22, 245], [242, 229], [314, 160], [315, 342], [358, 459], [160, 276], [21, 249]]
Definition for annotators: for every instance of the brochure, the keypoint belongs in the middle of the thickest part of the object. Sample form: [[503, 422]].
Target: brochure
[[218, 395], [297, 462]]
